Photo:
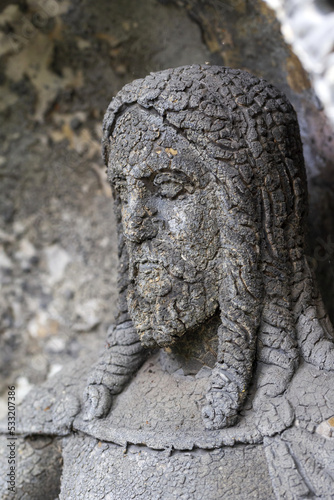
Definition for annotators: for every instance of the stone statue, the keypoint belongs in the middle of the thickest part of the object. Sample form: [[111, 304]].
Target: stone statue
[[207, 173], [221, 337]]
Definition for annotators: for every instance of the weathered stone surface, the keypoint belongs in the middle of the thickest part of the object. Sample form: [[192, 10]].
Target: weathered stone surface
[[133, 466], [198, 155], [300, 465], [137, 472], [59, 180], [248, 35], [161, 408], [210, 191], [207, 170], [37, 470]]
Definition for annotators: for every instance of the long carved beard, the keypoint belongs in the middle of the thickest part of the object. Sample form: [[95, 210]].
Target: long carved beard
[[163, 306]]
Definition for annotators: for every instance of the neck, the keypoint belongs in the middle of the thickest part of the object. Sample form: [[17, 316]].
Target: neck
[[197, 348]]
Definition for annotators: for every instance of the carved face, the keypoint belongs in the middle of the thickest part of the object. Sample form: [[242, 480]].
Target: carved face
[[169, 215]]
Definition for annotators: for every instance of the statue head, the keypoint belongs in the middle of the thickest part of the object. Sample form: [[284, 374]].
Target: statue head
[[169, 220], [210, 191], [207, 170]]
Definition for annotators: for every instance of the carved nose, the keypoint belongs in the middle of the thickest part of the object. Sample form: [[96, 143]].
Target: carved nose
[[138, 221]]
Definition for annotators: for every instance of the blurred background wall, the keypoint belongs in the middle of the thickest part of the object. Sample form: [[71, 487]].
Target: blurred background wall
[[61, 62]]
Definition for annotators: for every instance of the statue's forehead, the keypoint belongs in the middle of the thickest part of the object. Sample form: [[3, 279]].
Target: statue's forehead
[[137, 124], [142, 144]]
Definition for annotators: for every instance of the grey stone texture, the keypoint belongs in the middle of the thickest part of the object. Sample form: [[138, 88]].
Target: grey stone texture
[[248, 35], [210, 190], [38, 467], [140, 473], [162, 446], [55, 85]]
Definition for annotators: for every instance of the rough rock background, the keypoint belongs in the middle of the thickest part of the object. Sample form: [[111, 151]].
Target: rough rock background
[[60, 64]]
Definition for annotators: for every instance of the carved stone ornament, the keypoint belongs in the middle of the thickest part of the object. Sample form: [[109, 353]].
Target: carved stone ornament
[[222, 354]]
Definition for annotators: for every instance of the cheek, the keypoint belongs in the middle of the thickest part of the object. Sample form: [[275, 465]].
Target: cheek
[[193, 230], [186, 218]]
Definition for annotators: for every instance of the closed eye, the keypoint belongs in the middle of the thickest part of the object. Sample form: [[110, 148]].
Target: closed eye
[[172, 184]]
